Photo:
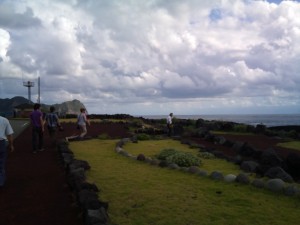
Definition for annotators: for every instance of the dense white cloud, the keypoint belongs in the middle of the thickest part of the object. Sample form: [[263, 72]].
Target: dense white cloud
[[153, 57]]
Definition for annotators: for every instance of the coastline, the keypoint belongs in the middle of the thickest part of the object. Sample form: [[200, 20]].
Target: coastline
[[269, 120]]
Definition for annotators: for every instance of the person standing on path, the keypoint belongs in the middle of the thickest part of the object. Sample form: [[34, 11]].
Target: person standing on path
[[37, 122], [170, 124], [82, 121], [52, 123], [6, 134]]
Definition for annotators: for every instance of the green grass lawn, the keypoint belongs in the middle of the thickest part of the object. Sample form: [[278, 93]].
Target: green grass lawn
[[291, 144], [142, 194], [152, 148]]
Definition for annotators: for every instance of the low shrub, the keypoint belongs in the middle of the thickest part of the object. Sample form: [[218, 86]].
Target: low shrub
[[184, 159], [165, 153], [292, 134], [240, 128], [143, 137]]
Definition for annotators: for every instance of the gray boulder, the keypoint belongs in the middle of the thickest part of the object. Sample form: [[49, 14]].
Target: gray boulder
[[229, 178], [242, 178], [141, 157], [275, 185], [216, 175], [270, 158], [249, 166], [278, 172], [237, 146], [292, 190], [173, 166], [193, 169]]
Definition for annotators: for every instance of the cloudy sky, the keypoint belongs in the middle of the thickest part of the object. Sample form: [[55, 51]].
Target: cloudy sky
[[145, 57]]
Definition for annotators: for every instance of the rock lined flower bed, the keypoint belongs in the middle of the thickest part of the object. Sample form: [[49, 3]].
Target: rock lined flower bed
[[94, 211], [276, 184]]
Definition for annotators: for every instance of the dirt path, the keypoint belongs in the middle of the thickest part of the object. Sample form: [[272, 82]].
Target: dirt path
[[36, 192]]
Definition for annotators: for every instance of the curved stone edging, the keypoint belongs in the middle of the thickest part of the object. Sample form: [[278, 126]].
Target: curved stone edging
[[275, 185], [94, 211]]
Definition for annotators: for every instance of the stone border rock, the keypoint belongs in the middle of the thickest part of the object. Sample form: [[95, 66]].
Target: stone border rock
[[275, 185], [94, 211]]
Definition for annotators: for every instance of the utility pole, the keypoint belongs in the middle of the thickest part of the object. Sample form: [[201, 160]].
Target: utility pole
[[28, 84], [39, 90]]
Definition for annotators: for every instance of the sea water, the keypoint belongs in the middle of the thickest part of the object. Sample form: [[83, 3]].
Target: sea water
[[269, 120]]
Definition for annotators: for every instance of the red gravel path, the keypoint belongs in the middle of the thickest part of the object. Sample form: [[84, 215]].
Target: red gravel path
[[260, 142], [36, 192]]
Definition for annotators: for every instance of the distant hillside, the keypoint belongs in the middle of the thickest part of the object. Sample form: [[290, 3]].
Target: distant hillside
[[7, 106], [69, 107]]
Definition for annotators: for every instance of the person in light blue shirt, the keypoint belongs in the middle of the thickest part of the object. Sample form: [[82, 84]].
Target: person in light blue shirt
[[6, 135], [52, 123]]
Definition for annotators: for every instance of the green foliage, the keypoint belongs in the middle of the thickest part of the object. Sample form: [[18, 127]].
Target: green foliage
[[240, 128], [292, 134], [206, 155], [143, 137], [165, 153], [184, 159], [292, 144], [157, 192]]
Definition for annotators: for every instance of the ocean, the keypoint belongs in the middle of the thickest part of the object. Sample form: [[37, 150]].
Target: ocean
[[269, 120]]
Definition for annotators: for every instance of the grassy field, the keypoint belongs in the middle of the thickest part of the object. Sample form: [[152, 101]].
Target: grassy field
[[152, 148], [142, 194], [291, 144]]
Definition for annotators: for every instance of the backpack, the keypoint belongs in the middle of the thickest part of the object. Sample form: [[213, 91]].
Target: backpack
[[51, 120]]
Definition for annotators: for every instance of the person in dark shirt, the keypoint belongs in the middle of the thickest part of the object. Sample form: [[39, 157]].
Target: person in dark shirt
[[37, 122]]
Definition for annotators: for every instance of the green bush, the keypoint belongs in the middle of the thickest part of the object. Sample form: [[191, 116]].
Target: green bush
[[242, 128], [184, 159], [143, 137], [165, 153], [292, 134]]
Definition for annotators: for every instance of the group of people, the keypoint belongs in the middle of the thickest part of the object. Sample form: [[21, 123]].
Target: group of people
[[38, 122], [51, 119]]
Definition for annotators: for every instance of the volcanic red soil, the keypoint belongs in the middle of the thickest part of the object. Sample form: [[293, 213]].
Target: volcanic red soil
[[36, 192]]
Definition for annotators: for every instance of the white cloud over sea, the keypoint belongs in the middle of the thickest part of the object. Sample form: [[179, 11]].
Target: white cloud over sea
[[154, 57]]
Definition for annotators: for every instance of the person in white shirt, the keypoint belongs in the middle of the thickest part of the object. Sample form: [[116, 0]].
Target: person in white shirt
[[170, 124], [82, 121], [6, 135]]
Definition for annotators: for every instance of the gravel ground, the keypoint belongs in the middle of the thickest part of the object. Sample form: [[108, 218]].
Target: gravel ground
[[36, 192]]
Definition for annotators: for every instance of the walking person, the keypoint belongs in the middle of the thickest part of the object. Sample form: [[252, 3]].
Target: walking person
[[82, 121], [52, 124], [170, 124], [37, 122], [6, 136]]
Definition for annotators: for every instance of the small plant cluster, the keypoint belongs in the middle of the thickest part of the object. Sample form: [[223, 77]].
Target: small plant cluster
[[143, 137], [182, 159]]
